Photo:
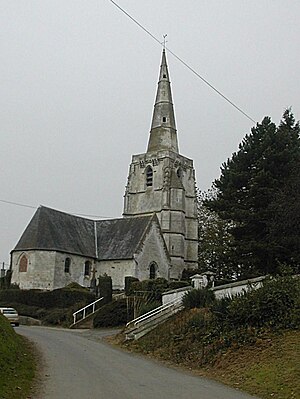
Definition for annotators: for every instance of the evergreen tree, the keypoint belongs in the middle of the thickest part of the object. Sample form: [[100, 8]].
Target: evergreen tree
[[247, 187], [214, 241], [285, 226]]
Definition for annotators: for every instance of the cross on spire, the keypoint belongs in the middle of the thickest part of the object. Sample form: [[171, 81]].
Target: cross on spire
[[164, 41]]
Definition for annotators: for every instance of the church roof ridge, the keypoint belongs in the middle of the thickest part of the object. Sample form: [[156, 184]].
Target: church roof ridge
[[53, 230]]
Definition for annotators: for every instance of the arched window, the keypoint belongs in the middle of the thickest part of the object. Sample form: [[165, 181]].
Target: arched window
[[67, 265], [87, 268], [23, 264], [152, 271], [149, 176]]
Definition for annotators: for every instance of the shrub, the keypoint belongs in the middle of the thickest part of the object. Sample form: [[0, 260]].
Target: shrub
[[188, 273], [147, 307], [174, 285], [58, 317], [128, 284], [275, 305], [52, 307], [220, 308], [59, 298], [198, 298], [113, 314], [5, 281], [105, 288], [155, 287]]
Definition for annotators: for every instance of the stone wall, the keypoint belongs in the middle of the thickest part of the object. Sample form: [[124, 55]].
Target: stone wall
[[175, 294], [40, 269], [117, 270], [46, 270], [172, 197], [226, 290], [152, 250], [238, 287]]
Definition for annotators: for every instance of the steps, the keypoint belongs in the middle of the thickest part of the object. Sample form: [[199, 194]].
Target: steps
[[140, 326], [84, 317]]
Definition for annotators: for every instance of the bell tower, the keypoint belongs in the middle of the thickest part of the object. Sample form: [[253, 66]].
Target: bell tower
[[162, 181]]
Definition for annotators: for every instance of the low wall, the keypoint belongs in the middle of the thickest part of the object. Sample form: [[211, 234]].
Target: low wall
[[226, 290], [174, 294], [238, 287]]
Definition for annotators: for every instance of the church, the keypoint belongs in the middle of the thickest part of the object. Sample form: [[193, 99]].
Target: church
[[156, 237]]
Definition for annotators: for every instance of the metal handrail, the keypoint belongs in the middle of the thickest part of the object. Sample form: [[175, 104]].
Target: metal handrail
[[84, 310], [154, 312]]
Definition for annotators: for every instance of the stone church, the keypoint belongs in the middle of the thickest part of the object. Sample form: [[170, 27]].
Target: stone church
[[157, 236]]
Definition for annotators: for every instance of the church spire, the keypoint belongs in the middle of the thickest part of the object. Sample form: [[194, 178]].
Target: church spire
[[163, 134]]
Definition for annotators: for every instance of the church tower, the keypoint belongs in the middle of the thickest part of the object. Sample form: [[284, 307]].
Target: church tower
[[162, 181]]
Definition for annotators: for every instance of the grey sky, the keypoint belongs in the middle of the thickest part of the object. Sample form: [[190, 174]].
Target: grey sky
[[78, 81]]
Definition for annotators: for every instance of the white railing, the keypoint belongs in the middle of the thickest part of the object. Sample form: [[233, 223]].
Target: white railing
[[157, 311], [84, 310]]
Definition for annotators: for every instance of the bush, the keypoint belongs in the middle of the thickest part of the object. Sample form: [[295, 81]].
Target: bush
[[198, 298], [57, 317], [59, 298], [105, 288], [128, 284], [174, 285], [275, 305], [188, 273], [52, 307], [220, 308], [155, 287], [147, 307], [5, 281], [113, 314]]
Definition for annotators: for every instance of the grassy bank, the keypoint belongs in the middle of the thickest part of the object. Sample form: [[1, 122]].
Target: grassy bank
[[17, 363], [250, 341], [268, 367]]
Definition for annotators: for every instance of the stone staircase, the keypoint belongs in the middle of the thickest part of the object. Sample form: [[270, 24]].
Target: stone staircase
[[140, 326], [84, 317]]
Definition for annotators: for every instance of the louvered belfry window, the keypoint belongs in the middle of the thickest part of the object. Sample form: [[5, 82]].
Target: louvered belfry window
[[149, 176]]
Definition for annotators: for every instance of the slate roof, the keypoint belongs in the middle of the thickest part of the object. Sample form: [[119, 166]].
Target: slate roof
[[50, 229], [120, 238], [54, 230]]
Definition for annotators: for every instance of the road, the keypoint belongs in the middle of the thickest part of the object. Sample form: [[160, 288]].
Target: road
[[79, 365]]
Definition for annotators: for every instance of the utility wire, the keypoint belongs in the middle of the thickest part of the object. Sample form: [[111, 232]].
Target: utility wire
[[183, 62], [18, 204], [35, 207]]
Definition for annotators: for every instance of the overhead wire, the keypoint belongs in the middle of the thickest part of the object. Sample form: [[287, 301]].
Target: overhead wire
[[183, 62], [71, 213]]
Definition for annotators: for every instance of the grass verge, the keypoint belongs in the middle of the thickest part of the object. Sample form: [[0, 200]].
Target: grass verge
[[17, 363], [267, 368]]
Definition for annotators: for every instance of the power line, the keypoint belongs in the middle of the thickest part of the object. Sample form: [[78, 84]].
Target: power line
[[35, 207], [18, 204], [183, 62]]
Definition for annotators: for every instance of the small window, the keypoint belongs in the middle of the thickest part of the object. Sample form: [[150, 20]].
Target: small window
[[87, 268], [164, 119], [149, 176], [23, 265], [67, 265], [164, 75], [152, 270]]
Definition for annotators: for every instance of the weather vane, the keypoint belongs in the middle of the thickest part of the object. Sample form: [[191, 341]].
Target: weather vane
[[165, 41]]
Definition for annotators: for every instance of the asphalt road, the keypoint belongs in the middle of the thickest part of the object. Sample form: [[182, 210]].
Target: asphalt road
[[79, 365]]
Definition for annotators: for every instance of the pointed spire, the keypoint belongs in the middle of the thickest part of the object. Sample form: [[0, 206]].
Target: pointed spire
[[163, 134]]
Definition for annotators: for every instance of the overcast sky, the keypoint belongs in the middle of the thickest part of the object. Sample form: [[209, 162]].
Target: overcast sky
[[78, 82]]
